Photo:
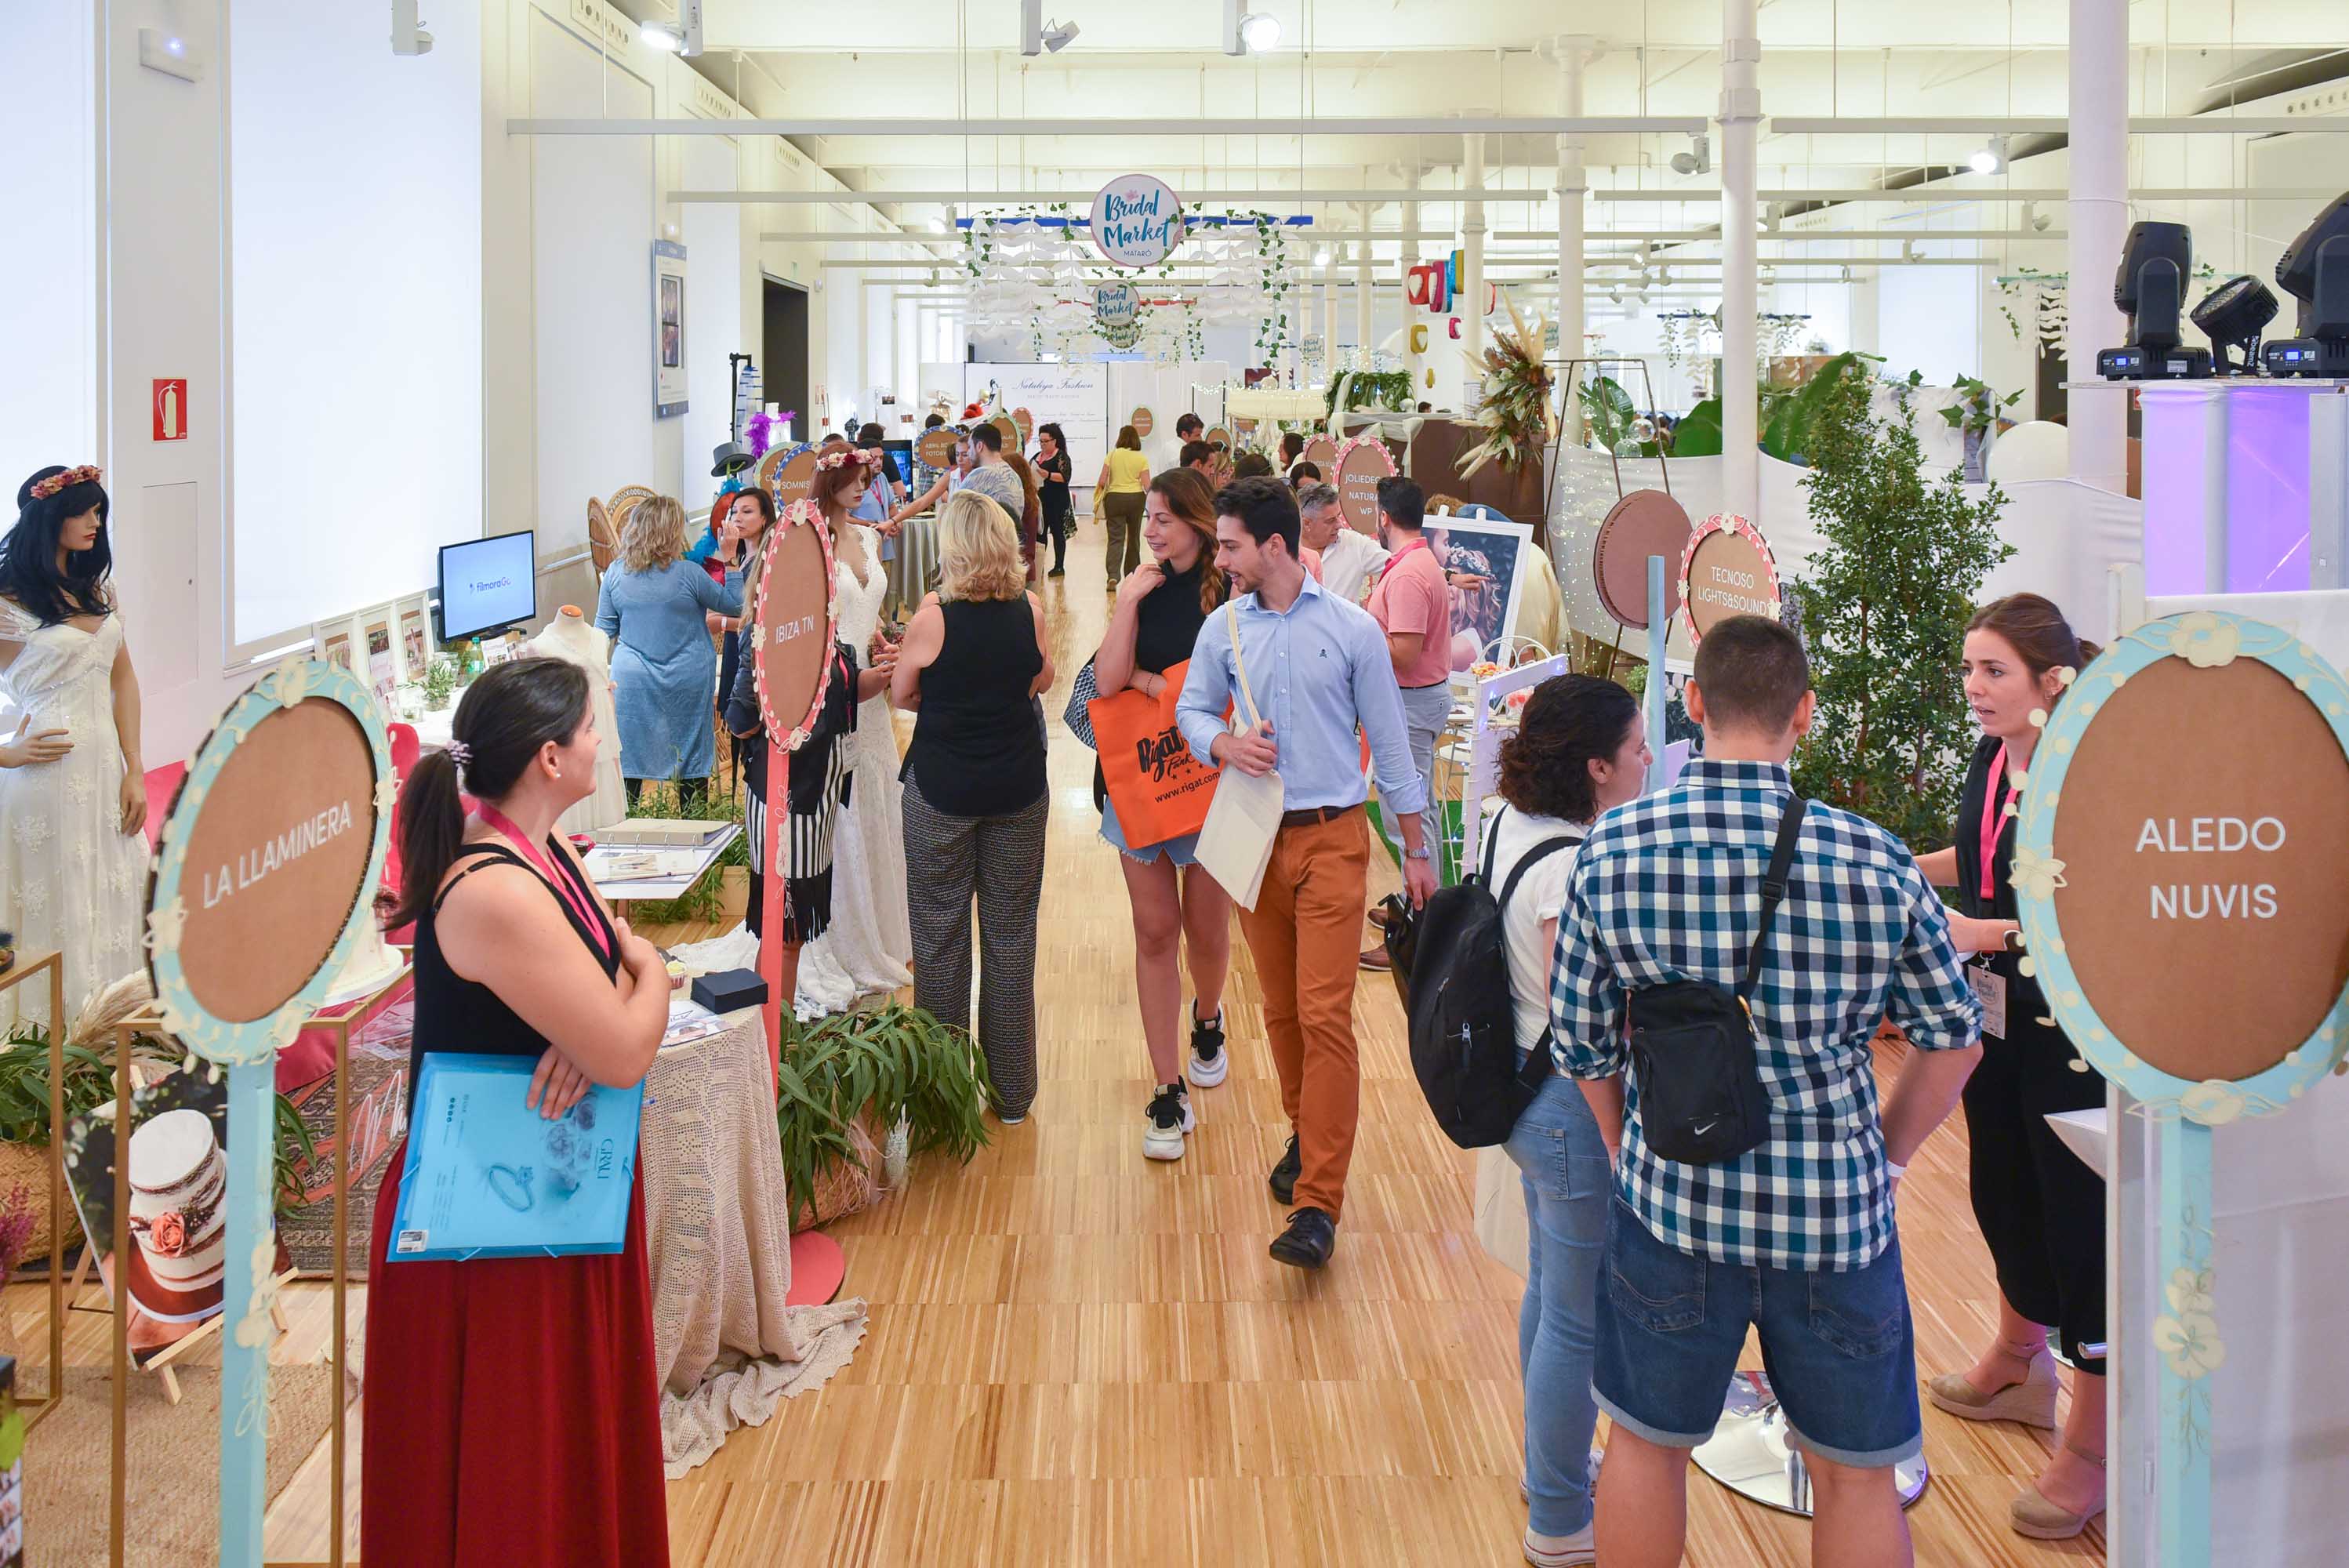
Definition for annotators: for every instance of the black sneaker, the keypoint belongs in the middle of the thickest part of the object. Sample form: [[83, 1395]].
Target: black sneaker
[[1311, 1238], [1208, 1063], [1164, 1123], [1284, 1175]]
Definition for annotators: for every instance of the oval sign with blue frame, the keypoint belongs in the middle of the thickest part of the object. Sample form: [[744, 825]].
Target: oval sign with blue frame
[[2182, 865]]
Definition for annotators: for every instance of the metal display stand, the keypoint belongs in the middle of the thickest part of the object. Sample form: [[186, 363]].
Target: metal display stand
[[1753, 1454]]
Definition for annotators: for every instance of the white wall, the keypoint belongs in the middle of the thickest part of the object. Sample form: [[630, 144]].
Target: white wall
[[378, 225], [711, 233], [48, 276]]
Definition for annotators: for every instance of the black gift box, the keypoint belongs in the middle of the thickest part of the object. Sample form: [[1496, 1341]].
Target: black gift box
[[730, 989]]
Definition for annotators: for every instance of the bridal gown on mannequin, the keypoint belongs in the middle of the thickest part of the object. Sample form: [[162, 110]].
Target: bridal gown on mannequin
[[71, 878], [570, 638], [869, 943]]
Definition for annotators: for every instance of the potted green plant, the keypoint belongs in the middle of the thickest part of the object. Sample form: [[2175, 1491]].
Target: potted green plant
[[1975, 417], [844, 1081]]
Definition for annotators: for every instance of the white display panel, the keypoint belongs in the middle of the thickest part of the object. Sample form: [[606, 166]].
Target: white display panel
[[356, 299]]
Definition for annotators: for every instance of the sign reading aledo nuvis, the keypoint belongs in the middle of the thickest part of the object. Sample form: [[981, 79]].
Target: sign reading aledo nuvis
[[1726, 571], [2182, 869], [793, 623], [272, 848]]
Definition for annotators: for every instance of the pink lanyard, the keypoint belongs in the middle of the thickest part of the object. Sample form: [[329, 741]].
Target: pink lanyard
[[1993, 821], [1397, 559], [564, 887]]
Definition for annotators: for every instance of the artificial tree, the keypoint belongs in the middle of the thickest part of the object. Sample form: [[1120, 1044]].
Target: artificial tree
[[1884, 607]]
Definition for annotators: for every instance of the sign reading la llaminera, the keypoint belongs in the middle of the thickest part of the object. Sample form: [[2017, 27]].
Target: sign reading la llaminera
[[1137, 220]]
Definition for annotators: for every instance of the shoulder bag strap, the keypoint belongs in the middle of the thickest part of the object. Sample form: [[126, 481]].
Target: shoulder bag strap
[[1773, 889], [1492, 836], [1240, 662], [1531, 859]]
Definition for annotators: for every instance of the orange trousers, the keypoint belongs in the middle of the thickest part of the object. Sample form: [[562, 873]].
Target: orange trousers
[[1306, 934]]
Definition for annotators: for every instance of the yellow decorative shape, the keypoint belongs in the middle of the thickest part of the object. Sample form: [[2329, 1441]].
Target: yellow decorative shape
[[2189, 1343], [2205, 640], [2038, 718], [2212, 1102], [387, 794], [2066, 674], [2189, 1291]]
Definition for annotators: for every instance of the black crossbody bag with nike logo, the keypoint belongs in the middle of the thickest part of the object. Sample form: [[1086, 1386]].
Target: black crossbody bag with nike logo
[[1693, 1053]]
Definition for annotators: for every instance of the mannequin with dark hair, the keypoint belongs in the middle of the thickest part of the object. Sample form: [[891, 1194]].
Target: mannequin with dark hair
[[73, 791], [535, 1367]]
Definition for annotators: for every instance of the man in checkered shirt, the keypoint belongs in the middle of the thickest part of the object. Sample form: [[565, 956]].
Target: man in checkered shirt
[[1795, 1237]]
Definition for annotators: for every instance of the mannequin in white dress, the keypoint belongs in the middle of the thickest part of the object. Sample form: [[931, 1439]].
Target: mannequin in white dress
[[870, 942], [73, 794], [570, 637]]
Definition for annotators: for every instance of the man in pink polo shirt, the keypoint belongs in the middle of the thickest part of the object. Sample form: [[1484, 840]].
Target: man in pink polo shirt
[[1411, 603]]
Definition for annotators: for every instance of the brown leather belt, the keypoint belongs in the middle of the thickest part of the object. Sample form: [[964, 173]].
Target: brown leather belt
[[1312, 816]]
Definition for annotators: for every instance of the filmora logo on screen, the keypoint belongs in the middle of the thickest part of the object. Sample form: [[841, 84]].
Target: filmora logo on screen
[[486, 585]]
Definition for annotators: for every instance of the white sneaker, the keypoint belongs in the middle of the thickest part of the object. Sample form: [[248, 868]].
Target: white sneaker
[[1165, 1124], [1210, 1062], [1575, 1550]]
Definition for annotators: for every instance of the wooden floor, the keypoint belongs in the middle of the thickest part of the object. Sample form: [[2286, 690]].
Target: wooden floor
[[1079, 1357]]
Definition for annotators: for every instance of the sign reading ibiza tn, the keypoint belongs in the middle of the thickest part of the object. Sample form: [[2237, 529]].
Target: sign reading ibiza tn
[[1137, 220]]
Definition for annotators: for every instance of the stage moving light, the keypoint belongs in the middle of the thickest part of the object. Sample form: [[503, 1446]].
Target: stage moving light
[[2232, 317], [2151, 290], [2314, 270]]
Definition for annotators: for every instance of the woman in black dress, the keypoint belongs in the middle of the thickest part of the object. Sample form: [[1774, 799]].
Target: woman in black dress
[[2041, 1210], [1052, 469]]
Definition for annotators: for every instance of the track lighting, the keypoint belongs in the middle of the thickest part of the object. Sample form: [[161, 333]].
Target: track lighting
[[682, 37], [1249, 33], [1038, 37], [1698, 159], [408, 36], [1991, 159]]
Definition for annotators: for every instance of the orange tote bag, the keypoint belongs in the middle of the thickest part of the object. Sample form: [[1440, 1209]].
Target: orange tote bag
[[1159, 791]]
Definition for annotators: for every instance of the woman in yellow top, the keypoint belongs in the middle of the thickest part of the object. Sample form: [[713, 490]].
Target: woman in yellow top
[[1118, 497]]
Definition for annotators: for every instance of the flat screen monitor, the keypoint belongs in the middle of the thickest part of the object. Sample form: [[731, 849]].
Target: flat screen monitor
[[488, 585], [900, 457]]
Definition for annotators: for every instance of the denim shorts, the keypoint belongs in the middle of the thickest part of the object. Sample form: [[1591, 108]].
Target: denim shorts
[[1182, 850], [1839, 1348]]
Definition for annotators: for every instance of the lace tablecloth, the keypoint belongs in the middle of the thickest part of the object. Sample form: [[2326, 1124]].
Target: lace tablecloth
[[718, 1226]]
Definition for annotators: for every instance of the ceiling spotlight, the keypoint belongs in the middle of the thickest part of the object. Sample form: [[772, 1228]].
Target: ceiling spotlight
[[408, 36], [682, 37], [660, 35], [1991, 159], [1698, 159], [2033, 219], [1251, 31], [1037, 36]]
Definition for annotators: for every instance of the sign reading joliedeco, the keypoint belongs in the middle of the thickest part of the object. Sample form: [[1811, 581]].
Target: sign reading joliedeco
[[1361, 463], [269, 860]]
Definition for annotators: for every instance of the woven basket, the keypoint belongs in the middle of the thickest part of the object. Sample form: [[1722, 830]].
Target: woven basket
[[28, 1164], [848, 1186], [602, 539]]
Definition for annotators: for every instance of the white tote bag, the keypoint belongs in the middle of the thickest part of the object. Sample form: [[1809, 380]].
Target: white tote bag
[[1503, 1227], [1236, 841]]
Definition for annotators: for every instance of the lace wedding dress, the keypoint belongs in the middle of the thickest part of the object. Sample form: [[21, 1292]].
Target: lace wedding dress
[[869, 943], [69, 877]]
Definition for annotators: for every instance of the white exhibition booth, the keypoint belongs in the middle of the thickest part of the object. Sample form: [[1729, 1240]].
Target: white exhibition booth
[[1091, 400]]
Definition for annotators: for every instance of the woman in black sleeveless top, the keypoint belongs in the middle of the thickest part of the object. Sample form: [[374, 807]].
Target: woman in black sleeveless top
[[973, 660], [517, 1417], [2041, 1210]]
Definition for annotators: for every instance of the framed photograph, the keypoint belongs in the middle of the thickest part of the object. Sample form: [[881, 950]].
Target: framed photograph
[[1484, 559], [381, 674], [415, 626], [668, 329], [335, 643]]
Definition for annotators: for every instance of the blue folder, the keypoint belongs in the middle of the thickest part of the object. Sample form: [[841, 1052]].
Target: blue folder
[[489, 1177]]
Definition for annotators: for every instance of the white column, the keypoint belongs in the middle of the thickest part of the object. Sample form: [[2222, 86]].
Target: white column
[[1739, 117], [1574, 51], [1470, 307], [1330, 313], [1363, 316], [2099, 222], [1414, 360]]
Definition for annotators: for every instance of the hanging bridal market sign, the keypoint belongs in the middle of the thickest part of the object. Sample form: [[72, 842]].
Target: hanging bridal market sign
[[265, 876], [1359, 465], [1116, 305], [1727, 570], [2179, 871], [1644, 523], [1137, 221]]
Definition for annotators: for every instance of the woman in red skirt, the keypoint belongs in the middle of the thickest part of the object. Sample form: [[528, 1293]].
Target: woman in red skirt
[[513, 1407]]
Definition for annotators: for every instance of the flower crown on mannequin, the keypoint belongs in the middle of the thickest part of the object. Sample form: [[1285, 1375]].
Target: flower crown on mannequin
[[88, 474], [844, 456]]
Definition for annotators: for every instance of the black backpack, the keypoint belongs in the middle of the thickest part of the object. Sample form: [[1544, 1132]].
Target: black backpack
[[1700, 1097], [1463, 1032]]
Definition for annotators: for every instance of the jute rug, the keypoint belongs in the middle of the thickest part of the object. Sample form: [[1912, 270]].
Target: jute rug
[[171, 1507]]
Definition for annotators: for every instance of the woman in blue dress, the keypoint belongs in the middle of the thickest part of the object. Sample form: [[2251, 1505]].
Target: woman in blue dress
[[654, 605]]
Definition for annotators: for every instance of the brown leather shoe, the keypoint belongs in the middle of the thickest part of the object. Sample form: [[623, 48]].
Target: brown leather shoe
[[1376, 958]]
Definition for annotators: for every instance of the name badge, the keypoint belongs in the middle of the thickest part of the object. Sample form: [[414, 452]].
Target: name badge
[[1989, 990]]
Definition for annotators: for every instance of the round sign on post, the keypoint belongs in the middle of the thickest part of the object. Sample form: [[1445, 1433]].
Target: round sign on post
[[266, 875], [1321, 451], [1727, 570], [1217, 436], [1026, 423], [936, 449], [792, 465], [1009, 430], [1143, 421], [1137, 221], [1644, 523], [2184, 820], [1361, 464]]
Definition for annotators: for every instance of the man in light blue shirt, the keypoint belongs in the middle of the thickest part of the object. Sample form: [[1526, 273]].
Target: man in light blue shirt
[[1316, 668]]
